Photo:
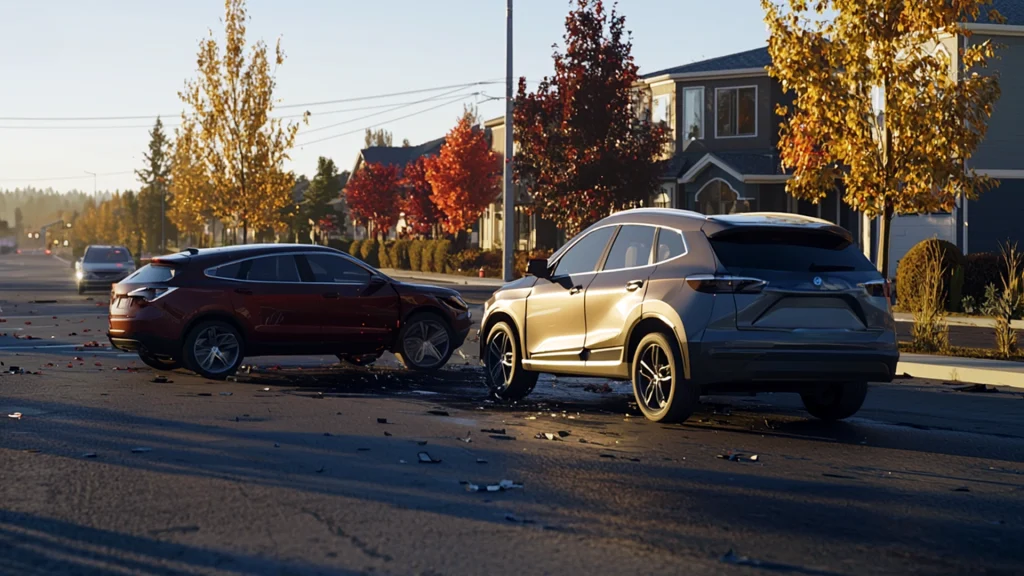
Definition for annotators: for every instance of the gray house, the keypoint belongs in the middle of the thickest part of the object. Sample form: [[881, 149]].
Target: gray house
[[724, 157]]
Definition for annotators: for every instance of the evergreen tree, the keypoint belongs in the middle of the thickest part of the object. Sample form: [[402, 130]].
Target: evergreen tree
[[153, 200]]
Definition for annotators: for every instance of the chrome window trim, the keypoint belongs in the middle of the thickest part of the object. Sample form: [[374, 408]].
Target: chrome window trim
[[208, 272], [686, 247]]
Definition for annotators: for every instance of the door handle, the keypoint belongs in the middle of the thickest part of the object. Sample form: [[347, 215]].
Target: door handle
[[243, 291], [330, 295], [575, 290], [633, 285]]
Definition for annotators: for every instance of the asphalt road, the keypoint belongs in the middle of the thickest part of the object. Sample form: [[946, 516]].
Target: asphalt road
[[288, 470]]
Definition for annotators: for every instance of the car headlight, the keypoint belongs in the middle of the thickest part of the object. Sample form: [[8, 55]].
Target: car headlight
[[79, 275]]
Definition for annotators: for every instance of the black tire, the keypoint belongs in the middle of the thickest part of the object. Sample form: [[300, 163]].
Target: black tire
[[158, 363], [658, 356], [425, 334], [503, 365], [358, 359], [833, 402], [225, 335]]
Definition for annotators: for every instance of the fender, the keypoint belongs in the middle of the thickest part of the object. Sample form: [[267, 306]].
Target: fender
[[656, 309]]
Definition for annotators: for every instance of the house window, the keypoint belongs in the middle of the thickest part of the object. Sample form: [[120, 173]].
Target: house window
[[663, 199], [693, 113], [717, 197], [662, 110], [736, 112]]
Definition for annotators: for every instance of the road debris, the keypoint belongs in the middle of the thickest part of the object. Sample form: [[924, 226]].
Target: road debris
[[382, 420], [961, 489], [141, 450], [15, 415], [203, 393], [15, 370], [481, 461], [517, 520], [840, 476], [731, 557], [733, 456], [266, 389], [426, 458], [89, 455], [493, 430], [386, 433], [276, 445], [603, 388], [467, 439], [502, 437], [547, 436], [320, 470], [225, 393], [438, 412], [977, 388], [499, 487]]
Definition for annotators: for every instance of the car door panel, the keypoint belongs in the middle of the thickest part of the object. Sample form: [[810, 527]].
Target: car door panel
[[281, 312]]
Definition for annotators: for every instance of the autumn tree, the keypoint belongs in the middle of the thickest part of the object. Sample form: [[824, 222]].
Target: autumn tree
[[465, 176], [152, 199], [876, 108], [243, 148], [583, 152], [190, 202], [372, 196], [379, 137], [421, 214]]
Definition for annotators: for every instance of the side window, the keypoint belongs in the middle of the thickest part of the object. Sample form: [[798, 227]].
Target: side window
[[632, 247], [670, 245], [271, 269], [584, 256], [229, 271], [335, 269]]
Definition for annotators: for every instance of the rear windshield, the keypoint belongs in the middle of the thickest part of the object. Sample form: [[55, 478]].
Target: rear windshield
[[98, 254], [151, 273], [788, 251]]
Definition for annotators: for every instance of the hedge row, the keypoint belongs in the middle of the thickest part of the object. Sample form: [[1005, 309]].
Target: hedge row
[[964, 276], [435, 256]]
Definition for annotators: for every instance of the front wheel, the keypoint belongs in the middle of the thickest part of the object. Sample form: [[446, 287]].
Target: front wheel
[[213, 350], [503, 364], [158, 363], [424, 342], [835, 401], [658, 385]]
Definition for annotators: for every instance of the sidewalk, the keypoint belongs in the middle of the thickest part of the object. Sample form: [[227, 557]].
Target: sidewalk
[[445, 278], [966, 370], [974, 321]]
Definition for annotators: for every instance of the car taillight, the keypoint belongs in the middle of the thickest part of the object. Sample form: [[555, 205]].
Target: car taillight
[[711, 284], [150, 294], [879, 288]]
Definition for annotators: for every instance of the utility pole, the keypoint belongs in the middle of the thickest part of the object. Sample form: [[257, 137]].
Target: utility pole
[[93, 174], [163, 216], [508, 193]]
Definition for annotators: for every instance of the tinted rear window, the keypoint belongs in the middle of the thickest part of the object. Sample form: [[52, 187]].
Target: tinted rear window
[[150, 273], [98, 254], [789, 251]]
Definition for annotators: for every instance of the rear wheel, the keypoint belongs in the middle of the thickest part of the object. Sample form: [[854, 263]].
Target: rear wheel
[[835, 401], [503, 362], [213, 350], [424, 342], [658, 385], [158, 363]]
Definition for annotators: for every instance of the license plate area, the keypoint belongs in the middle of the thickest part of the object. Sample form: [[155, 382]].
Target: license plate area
[[810, 313]]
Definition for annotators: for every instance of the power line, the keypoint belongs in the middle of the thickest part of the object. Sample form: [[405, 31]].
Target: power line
[[458, 99], [287, 106], [67, 177], [399, 107]]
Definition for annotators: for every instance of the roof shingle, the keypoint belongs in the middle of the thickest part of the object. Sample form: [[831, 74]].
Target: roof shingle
[[400, 155], [756, 58]]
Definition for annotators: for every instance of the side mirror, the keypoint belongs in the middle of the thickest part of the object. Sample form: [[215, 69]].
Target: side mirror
[[375, 283], [538, 267]]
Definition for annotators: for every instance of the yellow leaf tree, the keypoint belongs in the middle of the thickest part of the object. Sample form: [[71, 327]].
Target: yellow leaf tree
[[190, 203], [876, 108], [242, 147]]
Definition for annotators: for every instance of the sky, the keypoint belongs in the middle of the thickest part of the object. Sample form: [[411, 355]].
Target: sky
[[78, 59]]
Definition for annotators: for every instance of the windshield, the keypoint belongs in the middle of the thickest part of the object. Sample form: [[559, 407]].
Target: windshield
[[99, 255]]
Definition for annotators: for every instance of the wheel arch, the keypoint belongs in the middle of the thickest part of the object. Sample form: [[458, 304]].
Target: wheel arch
[[214, 316], [494, 318], [655, 322]]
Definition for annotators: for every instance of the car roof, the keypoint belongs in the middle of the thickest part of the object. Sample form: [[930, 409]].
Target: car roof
[[226, 253]]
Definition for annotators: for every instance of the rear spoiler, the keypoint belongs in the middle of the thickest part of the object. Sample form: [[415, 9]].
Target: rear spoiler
[[177, 260], [725, 225]]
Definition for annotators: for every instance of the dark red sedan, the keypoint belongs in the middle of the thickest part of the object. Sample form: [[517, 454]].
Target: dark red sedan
[[208, 309]]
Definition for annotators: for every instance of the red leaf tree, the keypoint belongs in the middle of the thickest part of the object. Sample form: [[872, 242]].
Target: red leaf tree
[[372, 195], [465, 176], [583, 152], [419, 209]]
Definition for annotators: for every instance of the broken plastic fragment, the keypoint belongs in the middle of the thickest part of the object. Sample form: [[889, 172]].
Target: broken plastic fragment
[[481, 461], [89, 455], [386, 433], [467, 439], [141, 450], [382, 420], [225, 393], [15, 415], [493, 430], [427, 458], [438, 412]]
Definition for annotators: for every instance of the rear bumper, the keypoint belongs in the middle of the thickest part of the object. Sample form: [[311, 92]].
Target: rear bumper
[[150, 328], [732, 365]]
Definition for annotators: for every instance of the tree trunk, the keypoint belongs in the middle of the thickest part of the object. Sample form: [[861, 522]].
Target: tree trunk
[[245, 232], [884, 229]]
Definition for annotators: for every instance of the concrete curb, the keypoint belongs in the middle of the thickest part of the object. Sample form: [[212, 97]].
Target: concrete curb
[[966, 370], [972, 321]]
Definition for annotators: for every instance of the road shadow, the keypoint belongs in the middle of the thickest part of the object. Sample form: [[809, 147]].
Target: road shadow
[[34, 545]]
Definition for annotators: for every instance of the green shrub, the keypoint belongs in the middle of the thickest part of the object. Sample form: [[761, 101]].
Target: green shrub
[[416, 254], [369, 251], [355, 249], [384, 255], [427, 258], [442, 250], [913, 268], [956, 289], [465, 261], [981, 270], [398, 254]]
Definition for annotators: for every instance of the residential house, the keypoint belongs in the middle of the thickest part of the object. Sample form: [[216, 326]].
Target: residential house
[[399, 156], [532, 231]]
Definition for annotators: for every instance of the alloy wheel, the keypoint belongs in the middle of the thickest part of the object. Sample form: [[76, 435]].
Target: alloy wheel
[[426, 343], [215, 350], [500, 359], [654, 378]]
